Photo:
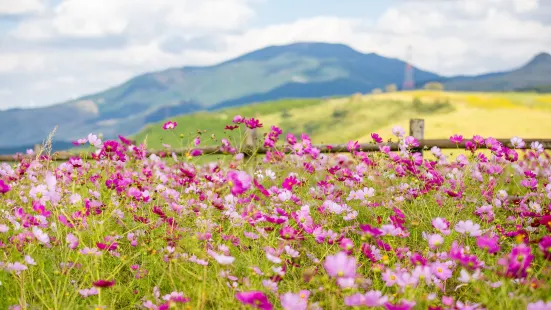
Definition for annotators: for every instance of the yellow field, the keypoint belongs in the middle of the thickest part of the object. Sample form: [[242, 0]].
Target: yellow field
[[500, 115], [495, 114]]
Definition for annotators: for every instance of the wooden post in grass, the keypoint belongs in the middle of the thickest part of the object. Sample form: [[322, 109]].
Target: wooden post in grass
[[250, 147], [417, 130]]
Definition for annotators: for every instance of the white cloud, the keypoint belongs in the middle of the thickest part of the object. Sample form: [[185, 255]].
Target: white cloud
[[523, 6], [62, 51], [20, 7], [136, 18], [21, 62]]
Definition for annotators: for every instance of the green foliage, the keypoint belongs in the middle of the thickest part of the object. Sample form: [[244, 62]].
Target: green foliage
[[433, 86], [285, 114], [391, 88], [339, 113]]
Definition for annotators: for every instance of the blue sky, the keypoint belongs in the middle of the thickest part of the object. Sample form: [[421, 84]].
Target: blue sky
[[55, 50], [270, 12]]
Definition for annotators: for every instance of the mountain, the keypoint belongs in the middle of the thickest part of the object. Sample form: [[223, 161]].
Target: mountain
[[534, 74], [276, 72]]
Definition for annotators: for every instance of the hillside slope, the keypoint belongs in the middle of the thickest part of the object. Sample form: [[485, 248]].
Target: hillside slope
[[355, 118], [535, 73]]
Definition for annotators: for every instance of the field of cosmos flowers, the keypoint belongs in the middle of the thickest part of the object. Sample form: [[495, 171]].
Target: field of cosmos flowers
[[295, 229]]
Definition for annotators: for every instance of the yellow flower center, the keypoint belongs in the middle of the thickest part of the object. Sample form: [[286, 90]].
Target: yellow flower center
[[440, 270]]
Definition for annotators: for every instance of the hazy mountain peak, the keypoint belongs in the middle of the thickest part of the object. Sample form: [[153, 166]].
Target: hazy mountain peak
[[539, 59], [311, 49]]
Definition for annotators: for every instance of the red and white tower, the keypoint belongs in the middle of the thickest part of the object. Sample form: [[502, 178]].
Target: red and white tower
[[409, 81]]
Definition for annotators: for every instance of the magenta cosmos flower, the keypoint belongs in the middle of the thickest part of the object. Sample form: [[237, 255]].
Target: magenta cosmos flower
[[170, 125], [545, 246], [518, 261], [256, 299], [4, 188], [456, 139], [239, 181], [489, 242], [340, 265], [104, 283], [253, 123]]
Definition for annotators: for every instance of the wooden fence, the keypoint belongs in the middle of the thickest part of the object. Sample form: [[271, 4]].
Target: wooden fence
[[416, 129]]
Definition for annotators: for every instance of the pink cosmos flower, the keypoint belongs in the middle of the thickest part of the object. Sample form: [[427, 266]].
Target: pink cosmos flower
[[441, 271], [29, 260], [376, 138], [292, 301], [170, 125], [398, 131], [255, 299], [491, 243], [107, 247], [289, 182], [402, 305], [238, 119], [369, 299], [361, 194], [435, 240], [40, 235], [253, 123], [94, 140], [340, 265], [90, 251], [88, 292], [456, 139], [468, 228], [539, 305], [17, 267], [517, 143], [536, 146], [410, 141], [239, 181], [390, 277], [176, 297], [545, 247], [221, 258], [518, 261]]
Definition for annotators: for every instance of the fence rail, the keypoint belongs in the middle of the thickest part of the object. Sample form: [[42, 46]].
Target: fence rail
[[416, 130]]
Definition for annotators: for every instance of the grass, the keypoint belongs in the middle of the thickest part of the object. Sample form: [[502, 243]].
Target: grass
[[161, 213]]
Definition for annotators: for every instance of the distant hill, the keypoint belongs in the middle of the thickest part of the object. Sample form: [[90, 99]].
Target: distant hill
[[304, 70], [536, 89], [533, 75], [300, 70]]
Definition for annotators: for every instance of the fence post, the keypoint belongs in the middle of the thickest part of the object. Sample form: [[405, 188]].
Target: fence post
[[250, 147], [417, 130]]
